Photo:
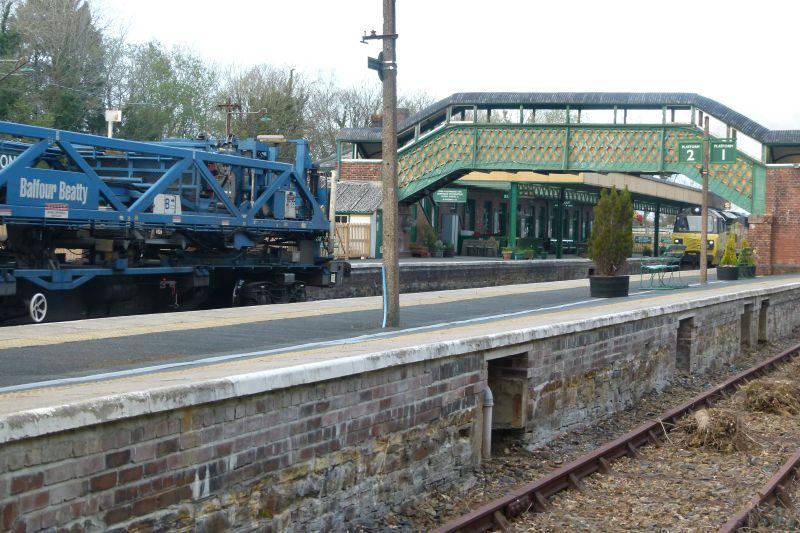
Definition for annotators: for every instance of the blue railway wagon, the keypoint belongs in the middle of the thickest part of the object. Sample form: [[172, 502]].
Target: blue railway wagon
[[106, 226]]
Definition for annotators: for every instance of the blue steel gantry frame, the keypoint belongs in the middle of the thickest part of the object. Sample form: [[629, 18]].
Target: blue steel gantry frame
[[76, 182]]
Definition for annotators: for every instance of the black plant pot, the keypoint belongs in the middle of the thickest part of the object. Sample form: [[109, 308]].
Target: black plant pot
[[747, 271], [727, 273], [608, 286]]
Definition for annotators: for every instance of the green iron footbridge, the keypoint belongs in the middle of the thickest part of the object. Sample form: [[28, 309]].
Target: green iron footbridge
[[633, 133]]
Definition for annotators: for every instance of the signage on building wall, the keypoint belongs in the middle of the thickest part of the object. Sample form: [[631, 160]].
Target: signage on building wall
[[452, 196]]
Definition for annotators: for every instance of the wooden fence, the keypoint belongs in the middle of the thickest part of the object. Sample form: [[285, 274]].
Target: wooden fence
[[353, 241]]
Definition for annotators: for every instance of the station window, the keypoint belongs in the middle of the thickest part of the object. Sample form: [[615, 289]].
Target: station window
[[342, 219]]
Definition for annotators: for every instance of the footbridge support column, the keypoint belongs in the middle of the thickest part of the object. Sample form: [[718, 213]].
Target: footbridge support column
[[775, 235]]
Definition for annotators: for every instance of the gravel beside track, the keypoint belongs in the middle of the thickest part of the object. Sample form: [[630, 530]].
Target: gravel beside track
[[676, 487], [513, 465]]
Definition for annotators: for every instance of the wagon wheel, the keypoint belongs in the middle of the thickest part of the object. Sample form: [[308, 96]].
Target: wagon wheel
[[37, 307]]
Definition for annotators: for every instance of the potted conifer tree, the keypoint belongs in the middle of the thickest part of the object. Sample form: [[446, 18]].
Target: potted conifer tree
[[746, 261], [611, 243], [727, 268]]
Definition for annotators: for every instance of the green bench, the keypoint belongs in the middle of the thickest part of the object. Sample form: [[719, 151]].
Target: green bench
[[663, 272]]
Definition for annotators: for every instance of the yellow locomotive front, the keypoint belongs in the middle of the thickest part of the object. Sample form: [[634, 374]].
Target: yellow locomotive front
[[687, 232]]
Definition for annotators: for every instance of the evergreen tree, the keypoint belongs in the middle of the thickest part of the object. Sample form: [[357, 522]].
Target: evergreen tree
[[611, 242]]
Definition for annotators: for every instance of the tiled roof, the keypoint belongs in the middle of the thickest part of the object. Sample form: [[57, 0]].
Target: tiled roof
[[358, 196]]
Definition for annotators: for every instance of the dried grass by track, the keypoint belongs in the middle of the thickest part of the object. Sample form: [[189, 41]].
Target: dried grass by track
[[712, 464]]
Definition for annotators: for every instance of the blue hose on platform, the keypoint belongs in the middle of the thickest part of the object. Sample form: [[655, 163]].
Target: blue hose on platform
[[385, 304]]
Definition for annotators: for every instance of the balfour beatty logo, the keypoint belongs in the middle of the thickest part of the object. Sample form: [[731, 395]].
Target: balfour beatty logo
[[63, 192]]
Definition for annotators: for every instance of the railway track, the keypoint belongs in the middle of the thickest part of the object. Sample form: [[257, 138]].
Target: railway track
[[652, 478]]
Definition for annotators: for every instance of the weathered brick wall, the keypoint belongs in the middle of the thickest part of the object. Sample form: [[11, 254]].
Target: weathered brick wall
[[360, 170], [775, 236], [580, 377], [311, 458], [759, 237], [587, 375], [783, 314], [717, 337]]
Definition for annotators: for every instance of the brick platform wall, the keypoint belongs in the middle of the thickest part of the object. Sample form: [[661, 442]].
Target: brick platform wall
[[339, 454], [578, 378], [581, 377], [783, 315], [360, 170], [301, 459]]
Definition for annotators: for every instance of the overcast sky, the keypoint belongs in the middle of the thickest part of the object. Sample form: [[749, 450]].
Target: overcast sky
[[739, 53]]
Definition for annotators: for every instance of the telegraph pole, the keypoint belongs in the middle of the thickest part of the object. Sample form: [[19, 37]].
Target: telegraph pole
[[704, 208], [387, 71], [229, 109], [391, 259]]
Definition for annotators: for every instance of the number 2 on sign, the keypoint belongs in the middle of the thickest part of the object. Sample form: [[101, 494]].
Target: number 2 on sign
[[690, 156]]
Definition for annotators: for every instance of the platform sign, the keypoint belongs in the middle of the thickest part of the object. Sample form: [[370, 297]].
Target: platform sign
[[690, 152], [453, 196], [723, 151]]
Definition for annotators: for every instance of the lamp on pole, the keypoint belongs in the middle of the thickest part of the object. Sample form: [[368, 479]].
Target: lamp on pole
[[387, 72], [21, 62]]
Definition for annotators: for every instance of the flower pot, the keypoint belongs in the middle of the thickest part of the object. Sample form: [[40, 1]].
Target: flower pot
[[747, 271], [506, 255], [608, 286], [727, 273]]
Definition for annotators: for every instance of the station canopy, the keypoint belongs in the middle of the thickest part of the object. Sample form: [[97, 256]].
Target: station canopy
[[584, 188]]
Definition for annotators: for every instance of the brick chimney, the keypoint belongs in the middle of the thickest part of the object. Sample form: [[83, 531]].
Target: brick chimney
[[376, 120]]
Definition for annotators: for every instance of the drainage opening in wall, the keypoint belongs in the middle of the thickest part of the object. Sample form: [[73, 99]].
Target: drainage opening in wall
[[763, 317], [745, 335], [683, 351], [508, 381]]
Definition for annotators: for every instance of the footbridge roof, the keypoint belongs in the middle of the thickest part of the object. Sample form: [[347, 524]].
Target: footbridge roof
[[589, 100]]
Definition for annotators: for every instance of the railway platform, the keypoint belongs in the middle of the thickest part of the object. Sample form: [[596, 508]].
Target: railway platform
[[260, 404]]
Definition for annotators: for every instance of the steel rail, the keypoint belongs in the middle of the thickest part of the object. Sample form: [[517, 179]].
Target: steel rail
[[774, 488], [534, 495]]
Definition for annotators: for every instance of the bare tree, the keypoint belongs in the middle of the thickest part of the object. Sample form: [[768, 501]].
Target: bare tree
[[331, 108], [415, 101], [270, 99]]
